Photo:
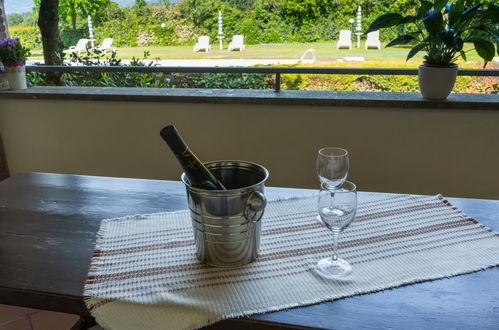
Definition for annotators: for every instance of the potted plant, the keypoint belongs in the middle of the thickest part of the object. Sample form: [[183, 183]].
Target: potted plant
[[13, 56], [440, 29]]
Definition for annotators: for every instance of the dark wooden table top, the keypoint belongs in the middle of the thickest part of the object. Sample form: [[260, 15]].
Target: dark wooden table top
[[48, 224]]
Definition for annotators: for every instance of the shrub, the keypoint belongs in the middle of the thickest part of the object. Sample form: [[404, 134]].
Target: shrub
[[382, 83], [256, 32], [260, 21], [494, 89], [293, 81], [133, 27], [70, 37], [29, 35], [106, 79], [137, 79], [222, 80], [372, 83], [22, 19]]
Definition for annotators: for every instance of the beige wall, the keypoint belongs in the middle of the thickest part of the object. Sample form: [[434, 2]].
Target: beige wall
[[453, 152]]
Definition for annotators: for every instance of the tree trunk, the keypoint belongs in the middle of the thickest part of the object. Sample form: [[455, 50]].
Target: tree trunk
[[48, 21]]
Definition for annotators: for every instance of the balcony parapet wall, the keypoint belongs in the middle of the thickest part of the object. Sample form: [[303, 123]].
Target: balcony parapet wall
[[404, 144]]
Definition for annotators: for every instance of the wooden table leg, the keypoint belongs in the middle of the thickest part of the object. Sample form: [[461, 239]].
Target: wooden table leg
[[4, 170]]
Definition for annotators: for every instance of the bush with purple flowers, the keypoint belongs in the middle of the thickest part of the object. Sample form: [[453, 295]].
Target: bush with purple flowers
[[11, 50]]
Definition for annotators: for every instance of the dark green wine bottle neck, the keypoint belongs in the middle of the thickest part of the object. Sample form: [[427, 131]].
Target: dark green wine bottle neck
[[172, 138], [198, 175]]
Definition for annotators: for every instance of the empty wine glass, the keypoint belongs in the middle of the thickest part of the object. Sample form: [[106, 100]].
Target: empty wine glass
[[336, 211], [332, 166]]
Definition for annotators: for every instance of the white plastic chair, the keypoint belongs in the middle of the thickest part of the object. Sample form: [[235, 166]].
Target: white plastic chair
[[203, 43], [345, 39], [372, 40], [81, 45], [237, 43], [105, 46]]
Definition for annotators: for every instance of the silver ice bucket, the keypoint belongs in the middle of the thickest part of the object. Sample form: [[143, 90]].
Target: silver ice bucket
[[226, 223]]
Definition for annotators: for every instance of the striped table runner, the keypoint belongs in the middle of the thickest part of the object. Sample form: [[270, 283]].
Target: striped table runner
[[144, 274]]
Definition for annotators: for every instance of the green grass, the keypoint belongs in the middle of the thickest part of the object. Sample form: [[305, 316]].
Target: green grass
[[326, 53]]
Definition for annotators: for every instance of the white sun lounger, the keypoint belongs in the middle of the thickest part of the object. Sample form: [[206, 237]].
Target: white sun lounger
[[203, 43], [237, 43], [345, 39], [105, 46], [81, 45], [372, 40]]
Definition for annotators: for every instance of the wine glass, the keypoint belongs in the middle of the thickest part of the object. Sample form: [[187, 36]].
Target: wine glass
[[332, 166], [336, 211]]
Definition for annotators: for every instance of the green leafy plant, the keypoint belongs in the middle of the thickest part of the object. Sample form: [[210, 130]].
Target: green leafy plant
[[106, 79], [440, 29], [494, 89], [231, 80], [11, 50], [114, 79]]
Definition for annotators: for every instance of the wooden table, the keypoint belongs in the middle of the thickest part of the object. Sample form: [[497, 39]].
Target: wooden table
[[48, 224]]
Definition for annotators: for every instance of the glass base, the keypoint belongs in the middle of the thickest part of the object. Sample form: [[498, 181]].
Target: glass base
[[330, 268]]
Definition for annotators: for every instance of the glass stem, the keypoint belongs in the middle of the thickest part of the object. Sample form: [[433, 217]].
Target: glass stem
[[335, 245], [331, 200]]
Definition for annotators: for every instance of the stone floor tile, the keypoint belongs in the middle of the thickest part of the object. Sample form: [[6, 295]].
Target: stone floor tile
[[45, 320], [21, 324], [9, 313]]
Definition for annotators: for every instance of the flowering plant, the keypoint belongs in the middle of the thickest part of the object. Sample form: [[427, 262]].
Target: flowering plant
[[11, 50], [440, 29]]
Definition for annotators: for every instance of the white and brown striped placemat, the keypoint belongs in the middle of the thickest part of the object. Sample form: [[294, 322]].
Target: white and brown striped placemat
[[144, 273]]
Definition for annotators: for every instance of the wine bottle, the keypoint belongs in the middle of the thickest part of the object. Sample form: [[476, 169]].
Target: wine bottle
[[198, 175]]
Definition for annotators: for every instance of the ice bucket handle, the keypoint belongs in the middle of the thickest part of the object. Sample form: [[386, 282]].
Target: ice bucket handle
[[254, 205]]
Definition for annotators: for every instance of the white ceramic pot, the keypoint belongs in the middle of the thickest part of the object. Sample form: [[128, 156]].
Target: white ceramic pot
[[16, 75], [436, 83]]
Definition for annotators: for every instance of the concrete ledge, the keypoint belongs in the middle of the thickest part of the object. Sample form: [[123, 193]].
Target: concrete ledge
[[245, 96]]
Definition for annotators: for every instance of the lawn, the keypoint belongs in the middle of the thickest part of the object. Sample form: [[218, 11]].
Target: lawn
[[326, 53], [327, 56]]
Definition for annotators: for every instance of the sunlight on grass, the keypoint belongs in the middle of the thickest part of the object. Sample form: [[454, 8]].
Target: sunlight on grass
[[327, 53], [327, 56]]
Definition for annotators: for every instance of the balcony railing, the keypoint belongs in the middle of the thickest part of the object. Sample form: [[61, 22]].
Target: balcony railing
[[277, 71]]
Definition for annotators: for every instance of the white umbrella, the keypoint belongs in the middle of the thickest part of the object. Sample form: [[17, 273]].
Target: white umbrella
[[220, 25], [90, 31], [359, 19], [220, 28]]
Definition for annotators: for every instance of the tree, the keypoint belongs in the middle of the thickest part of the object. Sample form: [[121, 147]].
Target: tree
[[240, 4], [15, 18], [200, 11], [69, 10], [305, 11], [48, 22]]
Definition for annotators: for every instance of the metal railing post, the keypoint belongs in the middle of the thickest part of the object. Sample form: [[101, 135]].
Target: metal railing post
[[277, 82]]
